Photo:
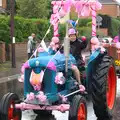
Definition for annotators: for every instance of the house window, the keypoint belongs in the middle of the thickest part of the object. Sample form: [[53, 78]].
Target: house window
[[0, 3]]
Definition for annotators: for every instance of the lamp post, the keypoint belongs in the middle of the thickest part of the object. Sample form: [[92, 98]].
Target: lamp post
[[12, 9]]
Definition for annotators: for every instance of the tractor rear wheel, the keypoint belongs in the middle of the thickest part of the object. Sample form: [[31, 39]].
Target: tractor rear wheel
[[104, 87]]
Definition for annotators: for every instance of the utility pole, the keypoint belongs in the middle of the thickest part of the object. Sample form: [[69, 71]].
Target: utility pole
[[12, 9]]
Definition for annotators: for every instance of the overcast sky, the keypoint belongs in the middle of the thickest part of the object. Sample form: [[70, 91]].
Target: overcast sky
[[118, 1]]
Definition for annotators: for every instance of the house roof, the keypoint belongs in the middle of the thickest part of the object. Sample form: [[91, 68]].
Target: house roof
[[108, 1]]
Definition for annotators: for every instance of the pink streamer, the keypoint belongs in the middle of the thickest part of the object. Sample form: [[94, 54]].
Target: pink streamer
[[51, 66]]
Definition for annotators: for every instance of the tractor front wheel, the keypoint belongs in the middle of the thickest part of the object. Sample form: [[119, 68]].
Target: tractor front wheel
[[78, 108], [7, 107]]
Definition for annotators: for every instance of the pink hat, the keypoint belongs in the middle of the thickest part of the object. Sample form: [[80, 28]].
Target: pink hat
[[55, 39], [72, 31]]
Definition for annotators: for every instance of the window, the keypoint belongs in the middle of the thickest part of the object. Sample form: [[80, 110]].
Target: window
[[0, 3]]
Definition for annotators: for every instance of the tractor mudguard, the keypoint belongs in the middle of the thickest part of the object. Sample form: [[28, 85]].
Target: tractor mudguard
[[92, 59]]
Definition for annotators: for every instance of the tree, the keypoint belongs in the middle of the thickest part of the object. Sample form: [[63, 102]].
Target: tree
[[33, 8]]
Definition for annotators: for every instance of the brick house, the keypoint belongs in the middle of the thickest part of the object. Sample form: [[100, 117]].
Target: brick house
[[3, 6], [3, 3], [110, 7]]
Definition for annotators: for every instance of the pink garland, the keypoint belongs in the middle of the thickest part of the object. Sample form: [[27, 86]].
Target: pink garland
[[41, 97]]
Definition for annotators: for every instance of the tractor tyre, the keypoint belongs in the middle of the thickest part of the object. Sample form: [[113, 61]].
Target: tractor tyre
[[104, 87]]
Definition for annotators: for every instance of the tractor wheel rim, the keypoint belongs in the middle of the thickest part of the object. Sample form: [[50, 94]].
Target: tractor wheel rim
[[82, 112], [11, 115], [111, 88]]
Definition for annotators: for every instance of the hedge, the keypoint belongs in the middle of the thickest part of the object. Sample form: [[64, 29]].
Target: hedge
[[115, 25], [4, 29], [24, 28]]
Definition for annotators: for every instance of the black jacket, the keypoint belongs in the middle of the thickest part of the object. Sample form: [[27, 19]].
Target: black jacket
[[76, 48]]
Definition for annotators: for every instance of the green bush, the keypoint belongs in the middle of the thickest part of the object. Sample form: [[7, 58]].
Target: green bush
[[84, 31], [84, 22], [115, 24], [24, 28], [4, 29]]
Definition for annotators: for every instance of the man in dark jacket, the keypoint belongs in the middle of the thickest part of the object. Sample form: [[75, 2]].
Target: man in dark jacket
[[76, 46]]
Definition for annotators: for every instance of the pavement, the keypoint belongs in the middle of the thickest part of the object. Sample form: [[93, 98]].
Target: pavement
[[11, 71]]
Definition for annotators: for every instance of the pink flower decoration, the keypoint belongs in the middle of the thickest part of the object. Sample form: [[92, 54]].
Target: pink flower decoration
[[95, 44], [59, 79], [54, 44], [25, 65], [118, 45], [102, 49], [82, 88], [41, 97], [55, 39], [64, 99], [116, 39], [37, 87], [30, 96]]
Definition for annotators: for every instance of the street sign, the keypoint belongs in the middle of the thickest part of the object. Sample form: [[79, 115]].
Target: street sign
[[99, 24], [99, 19]]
